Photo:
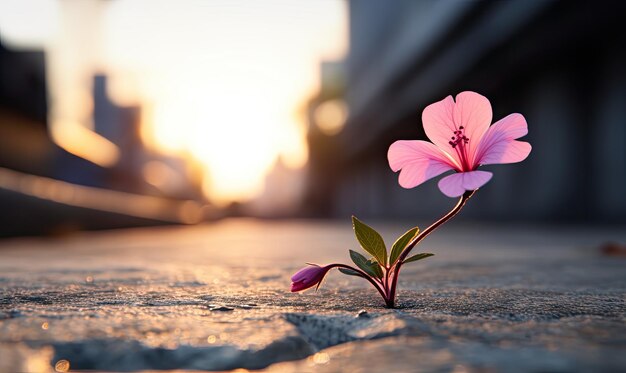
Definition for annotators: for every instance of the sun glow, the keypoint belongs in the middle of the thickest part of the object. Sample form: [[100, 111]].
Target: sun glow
[[224, 84], [236, 128], [224, 89], [219, 82]]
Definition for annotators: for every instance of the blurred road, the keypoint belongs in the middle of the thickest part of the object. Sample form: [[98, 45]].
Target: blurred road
[[216, 297]]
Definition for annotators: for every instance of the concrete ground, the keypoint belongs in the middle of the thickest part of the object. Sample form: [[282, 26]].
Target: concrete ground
[[216, 297]]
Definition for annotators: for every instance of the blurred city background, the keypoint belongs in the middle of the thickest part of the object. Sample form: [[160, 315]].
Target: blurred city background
[[126, 113]]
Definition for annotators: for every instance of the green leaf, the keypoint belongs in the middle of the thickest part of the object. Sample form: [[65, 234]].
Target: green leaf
[[349, 272], [368, 266], [400, 244], [417, 257], [375, 267], [370, 240]]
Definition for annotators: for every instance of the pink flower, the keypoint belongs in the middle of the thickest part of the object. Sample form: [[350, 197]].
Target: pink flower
[[308, 277], [462, 140]]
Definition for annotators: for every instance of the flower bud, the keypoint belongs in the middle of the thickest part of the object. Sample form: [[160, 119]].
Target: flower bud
[[308, 277]]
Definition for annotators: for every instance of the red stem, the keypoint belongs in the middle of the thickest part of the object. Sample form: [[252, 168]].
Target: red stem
[[391, 298]]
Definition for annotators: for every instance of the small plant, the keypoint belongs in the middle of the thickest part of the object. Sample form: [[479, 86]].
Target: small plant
[[462, 140]]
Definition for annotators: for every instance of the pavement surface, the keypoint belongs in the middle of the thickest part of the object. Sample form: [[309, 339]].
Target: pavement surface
[[216, 297]]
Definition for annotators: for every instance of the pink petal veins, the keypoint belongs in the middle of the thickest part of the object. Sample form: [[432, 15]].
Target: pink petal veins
[[438, 120], [418, 160], [462, 140], [499, 145], [510, 151], [456, 184], [473, 113]]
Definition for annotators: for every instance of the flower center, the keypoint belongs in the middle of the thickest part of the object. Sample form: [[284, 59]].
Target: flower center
[[459, 143]]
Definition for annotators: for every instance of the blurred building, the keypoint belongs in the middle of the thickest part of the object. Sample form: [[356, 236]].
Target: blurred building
[[45, 189], [24, 143], [121, 126], [282, 192], [560, 63], [324, 169], [138, 169]]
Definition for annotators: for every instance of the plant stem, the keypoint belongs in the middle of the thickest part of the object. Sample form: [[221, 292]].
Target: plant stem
[[383, 292], [391, 296]]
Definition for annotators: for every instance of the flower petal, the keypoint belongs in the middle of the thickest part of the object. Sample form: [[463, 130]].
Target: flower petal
[[441, 119], [510, 151], [499, 145], [473, 112], [306, 273], [301, 285], [456, 184], [308, 277], [418, 160], [438, 120]]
